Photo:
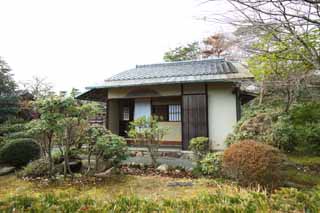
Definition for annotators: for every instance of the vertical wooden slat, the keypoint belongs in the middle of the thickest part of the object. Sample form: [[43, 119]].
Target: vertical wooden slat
[[194, 118]]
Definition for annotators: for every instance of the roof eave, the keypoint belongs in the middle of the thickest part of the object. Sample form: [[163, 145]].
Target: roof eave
[[148, 82]]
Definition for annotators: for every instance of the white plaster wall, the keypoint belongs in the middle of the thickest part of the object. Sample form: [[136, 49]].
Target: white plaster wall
[[222, 114], [142, 107]]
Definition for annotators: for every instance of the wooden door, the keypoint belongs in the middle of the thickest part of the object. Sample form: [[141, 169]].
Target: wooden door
[[195, 117], [126, 108]]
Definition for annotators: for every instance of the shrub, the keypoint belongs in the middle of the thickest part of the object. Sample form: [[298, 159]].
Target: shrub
[[299, 130], [295, 131], [147, 130], [211, 164], [113, 148], [199, 146], [252, 163], [19, 152], [37, 168]]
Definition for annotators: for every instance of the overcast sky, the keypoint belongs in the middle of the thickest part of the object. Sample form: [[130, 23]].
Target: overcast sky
[[77, 43]]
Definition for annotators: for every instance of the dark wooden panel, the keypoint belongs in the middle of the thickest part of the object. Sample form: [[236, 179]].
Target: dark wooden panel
[[194, 118], [127, 104]]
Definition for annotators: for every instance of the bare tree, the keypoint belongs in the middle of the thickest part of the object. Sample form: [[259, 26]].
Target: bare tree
[[296, 21], [217, 45], [39, 87]]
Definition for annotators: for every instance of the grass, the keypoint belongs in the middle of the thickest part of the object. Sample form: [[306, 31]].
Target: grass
[[149, 187], [305, 160], [153, 196], [304, 176]]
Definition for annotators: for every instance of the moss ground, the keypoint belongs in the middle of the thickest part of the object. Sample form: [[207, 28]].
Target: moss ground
[[150, 187]]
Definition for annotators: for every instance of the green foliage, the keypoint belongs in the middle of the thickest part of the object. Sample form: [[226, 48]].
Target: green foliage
[[291, 200], [182, 53], [211, 164], [147, 131], [63, 122], [37, 168], [8, 107], [256, 123], [113, 148], [19, 152], [283, 200], [252, 163], [199, 146], [297, 131], [277, 59], [8, 97]]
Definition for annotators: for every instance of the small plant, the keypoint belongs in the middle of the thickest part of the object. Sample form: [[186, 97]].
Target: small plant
[[112, 148], [252, 163], [37, 168], [211, 164], [19, 152], [199, 146], [147, 131]]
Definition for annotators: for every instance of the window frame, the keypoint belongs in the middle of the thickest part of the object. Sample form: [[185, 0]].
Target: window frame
[[167, 117]]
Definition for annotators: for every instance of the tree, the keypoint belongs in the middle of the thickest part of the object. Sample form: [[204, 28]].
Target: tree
[[74, 122], [48, 125], [280, 70], [92, 134], [217, 45], [147, 131], [8, 98], [38, 87], [295, 22], [63, 122], [190, 51]]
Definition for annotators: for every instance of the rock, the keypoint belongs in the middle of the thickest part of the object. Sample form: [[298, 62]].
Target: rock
[[163, 168], [75, 166], [139, 154], [106, 173], [189, 169], [175, 184], [292, 185], [6, 170]]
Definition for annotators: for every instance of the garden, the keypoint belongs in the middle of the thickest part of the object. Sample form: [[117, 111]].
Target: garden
[[53, 159], [61, 162]]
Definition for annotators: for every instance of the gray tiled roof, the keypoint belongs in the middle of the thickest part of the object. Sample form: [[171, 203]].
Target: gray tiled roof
[[176, 69], [178, 72]]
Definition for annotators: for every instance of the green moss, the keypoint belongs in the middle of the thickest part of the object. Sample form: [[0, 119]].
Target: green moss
[[305, 160], [303, 178]]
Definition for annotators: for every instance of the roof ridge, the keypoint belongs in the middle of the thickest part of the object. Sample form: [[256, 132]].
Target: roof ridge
[[179, 62]]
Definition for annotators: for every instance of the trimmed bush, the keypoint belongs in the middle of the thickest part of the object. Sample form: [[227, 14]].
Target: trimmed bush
[[252, 163], [113, 148], [37, 168], [199, 146], [211, 164], [19, 152]]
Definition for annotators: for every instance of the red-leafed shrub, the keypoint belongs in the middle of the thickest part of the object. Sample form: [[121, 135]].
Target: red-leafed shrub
[[252, 163]]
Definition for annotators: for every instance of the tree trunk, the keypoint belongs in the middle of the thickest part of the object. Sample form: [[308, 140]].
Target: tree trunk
[[288, 102], [261, 93], [89, 161], [152, 150], [50, 156], [66, 154]]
